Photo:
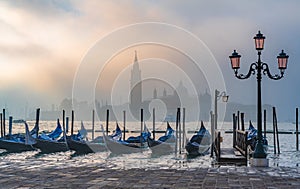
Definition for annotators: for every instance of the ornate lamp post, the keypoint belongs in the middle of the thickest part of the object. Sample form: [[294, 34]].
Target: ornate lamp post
[[259, 68]]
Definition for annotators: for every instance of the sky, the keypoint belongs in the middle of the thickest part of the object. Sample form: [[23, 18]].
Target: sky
[[43, 43]]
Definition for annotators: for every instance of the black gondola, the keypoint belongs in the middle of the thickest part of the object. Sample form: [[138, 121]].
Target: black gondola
[[199, 144], [252, 139], [124, 147], [82, 146], [17, 142], [165, 144], [49, 143]]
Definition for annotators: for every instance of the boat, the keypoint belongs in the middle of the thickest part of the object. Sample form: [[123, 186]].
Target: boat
[[18, 142], [200, 143], [165, 144], [141, 139], [80, 145], [122, 146], [252, 138], [50, 143], [18, 121]]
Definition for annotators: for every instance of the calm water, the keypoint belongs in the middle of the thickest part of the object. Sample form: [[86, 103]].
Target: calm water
[[288, 157]]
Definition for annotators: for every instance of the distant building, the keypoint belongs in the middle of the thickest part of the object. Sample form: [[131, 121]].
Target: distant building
[[172, 101], [135, 88]]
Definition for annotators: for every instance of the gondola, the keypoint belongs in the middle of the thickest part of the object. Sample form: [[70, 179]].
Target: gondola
[[165, 144], [252, 138], [50, 143], [124, 147], [80, 145], [18, 142], [141, 139], [200, 143]]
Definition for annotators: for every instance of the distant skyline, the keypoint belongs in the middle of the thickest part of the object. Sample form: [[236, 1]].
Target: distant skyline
[[43, 42]]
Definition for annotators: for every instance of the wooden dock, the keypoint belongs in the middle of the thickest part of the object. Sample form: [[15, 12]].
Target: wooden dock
[[238, 154], [231, 155]]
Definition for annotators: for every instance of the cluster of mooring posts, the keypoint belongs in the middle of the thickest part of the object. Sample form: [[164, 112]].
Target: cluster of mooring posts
[[180, 130], [240, 152], [65, 122]]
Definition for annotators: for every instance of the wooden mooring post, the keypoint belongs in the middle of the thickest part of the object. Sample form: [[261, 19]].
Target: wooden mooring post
[[297, 131], [67, 125], [64, 127], [153, 123], [212, 130], [1, 125], [4, 133], [177, 122], [142, 121], [275, 132], [72, 123], [37, 120], [10, 120], [234, 130], [93, 124], [64, 120], [124, 124], [107, 120], [265, 124], [243, 121], [238, 120], [183, 129]]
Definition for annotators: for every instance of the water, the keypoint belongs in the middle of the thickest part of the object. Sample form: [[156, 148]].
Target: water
[[33, 160]]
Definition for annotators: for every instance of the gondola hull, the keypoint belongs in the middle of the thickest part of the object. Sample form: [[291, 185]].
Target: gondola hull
[[117, 147], [195, 149], [14, 146], [200, 143], [252, 139], [84, 147], [160, 148], [47, 146]]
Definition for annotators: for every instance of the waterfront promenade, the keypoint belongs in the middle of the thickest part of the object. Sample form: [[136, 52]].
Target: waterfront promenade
[[99, 176]]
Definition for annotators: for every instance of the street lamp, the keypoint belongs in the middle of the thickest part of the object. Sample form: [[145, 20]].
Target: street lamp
[[225, 97], [218, 95], [259, 67]]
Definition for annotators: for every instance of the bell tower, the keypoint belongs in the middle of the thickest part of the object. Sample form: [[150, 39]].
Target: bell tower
[[135, 88]]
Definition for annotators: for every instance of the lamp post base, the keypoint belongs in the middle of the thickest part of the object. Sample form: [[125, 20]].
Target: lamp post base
[[259, 151], [259, 162]]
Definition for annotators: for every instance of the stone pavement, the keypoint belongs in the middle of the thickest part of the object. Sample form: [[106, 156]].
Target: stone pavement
[[98, 176]]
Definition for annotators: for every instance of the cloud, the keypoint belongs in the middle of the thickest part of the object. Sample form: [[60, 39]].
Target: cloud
[[43, 42]]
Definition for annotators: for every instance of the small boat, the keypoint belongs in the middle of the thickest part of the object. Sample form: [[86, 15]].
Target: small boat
[[252, 138], [141, 139], [200, 143], [18, 121], [17, 142], [165, 144], [49, 143], [80, 145], [124, 147]]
